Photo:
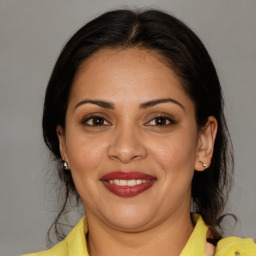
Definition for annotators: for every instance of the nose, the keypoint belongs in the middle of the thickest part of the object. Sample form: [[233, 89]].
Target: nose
[[126, 146]]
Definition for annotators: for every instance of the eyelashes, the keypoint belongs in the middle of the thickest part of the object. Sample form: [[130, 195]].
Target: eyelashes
[[98, 121], [160, 121], [95, 121]]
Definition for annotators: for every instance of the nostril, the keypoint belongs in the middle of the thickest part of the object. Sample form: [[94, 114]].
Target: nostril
[[125, 150]]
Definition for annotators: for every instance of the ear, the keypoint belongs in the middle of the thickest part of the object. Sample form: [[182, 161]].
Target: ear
[[205, 146], [62, 144]]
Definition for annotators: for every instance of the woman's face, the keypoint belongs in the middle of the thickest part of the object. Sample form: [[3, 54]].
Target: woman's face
[[131, 140]]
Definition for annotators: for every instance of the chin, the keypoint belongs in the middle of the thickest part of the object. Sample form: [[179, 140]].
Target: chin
[[129, 220]]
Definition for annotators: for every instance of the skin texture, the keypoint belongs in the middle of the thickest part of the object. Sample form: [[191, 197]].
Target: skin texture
[[210, 249], [129, 139]]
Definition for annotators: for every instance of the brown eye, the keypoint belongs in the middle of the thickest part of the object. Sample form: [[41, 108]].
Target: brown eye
[[95, 121], [160, 121]]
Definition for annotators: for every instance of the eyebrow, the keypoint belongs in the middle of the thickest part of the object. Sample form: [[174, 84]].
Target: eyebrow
[[101, 103], [152, 103], [148, 104]]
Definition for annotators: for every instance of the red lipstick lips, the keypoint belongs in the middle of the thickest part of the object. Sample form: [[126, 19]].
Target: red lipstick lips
[[127, 184]]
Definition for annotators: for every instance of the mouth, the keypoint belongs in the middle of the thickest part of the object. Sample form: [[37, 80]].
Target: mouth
[[127, 184]]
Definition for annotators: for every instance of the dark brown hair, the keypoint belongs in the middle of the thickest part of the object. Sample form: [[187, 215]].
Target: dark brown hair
[[187, 56]]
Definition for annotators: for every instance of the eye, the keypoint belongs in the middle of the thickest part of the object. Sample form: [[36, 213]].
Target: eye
[[95, 121], [160, 121]]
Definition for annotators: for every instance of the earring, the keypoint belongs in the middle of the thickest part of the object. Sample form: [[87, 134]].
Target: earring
[[203, 164], [65, 165]]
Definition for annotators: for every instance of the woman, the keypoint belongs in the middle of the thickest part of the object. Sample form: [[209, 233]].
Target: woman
[[134, 111]]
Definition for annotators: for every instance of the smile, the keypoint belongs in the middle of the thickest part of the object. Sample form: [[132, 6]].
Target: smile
[[127, 184]]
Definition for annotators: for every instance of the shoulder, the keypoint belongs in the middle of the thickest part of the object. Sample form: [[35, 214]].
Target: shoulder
[[235, 246], [73, 244]]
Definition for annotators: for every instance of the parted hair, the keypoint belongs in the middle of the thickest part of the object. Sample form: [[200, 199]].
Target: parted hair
[[185, 54]]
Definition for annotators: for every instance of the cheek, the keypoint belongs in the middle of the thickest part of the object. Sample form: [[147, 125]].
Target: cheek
[[86, 157], [84, 154], [176, 152]]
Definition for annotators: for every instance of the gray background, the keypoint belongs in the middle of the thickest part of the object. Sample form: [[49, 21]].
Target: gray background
[[32, 32]]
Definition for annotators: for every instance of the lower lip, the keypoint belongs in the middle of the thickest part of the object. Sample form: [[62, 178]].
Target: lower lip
[[128, 191]]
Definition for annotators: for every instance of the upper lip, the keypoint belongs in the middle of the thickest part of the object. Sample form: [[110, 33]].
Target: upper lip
[[126, 176]]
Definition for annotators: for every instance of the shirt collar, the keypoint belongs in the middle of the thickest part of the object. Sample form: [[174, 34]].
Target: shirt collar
[[197, 241]]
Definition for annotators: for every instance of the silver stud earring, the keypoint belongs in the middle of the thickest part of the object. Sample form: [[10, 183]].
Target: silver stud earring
[[203, 164], [65, 165]]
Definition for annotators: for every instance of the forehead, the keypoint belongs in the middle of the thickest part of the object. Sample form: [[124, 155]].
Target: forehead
[[130, 74], [117, 59]]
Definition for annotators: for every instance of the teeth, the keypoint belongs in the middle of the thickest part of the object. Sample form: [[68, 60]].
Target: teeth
[[139, 181], [127, 182], [117, 182], [123, 182], [131, 182]]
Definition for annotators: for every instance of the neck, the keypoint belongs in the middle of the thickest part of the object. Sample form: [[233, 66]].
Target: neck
[[167, 238]]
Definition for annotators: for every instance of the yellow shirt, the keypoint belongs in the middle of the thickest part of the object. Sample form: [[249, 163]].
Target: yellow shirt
[[75, 244]]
